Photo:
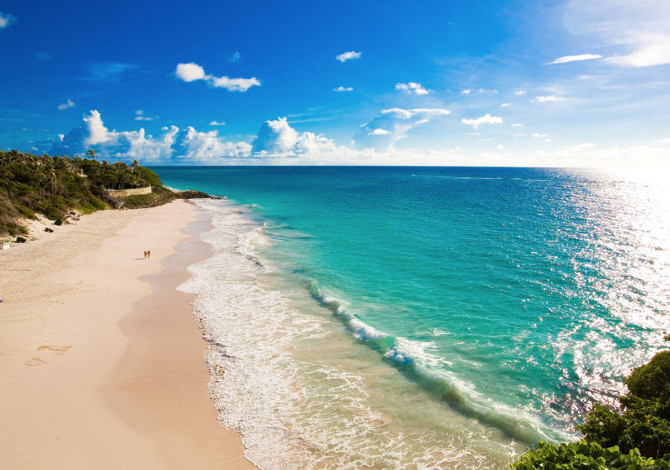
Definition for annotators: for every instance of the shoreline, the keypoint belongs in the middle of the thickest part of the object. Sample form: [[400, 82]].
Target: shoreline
[[100, 363]]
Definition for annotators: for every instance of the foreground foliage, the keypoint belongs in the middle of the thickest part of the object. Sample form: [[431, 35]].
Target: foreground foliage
[[586, 455], [635, 437], [53, 186], [645, 421]]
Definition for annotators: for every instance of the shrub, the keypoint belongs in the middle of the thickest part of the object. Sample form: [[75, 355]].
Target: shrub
[[651, 380], [25, 211], [644, 423], [586, 455]]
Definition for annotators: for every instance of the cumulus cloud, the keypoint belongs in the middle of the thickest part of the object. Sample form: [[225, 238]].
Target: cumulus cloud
[[517, 124], [341, 89], [467, 91], [575, 58], [486, 119], [639, 32], [392, 125], [68, 104], [520, 92], [276, 142], [345, 56], [206, 147], [412, 88], [276, 138], [547, 99], [190, 72], [173, 145], [217, 123], [6, 19], [505, 105]]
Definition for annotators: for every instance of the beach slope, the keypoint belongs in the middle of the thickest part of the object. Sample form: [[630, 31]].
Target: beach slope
[[101, 361]]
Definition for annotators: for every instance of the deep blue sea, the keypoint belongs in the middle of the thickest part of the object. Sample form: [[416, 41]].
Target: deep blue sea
[[367, 317]]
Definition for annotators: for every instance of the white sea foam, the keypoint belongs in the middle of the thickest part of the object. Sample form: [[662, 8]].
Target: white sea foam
[[305, 413]]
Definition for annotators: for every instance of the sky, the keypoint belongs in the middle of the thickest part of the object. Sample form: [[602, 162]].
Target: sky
[[577, 83]]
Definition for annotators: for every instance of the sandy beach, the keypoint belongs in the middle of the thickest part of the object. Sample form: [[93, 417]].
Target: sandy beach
[[101, 361]]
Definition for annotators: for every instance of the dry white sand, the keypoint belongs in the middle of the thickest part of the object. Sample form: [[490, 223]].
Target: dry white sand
[[101, 362]]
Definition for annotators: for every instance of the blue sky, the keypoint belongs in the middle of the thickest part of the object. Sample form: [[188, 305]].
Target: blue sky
[[505, 83]]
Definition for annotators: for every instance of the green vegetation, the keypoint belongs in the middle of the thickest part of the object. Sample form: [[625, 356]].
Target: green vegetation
[[54, 186], [586, 455], [636, 437]]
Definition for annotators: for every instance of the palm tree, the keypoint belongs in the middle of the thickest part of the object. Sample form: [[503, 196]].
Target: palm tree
[[91, 153]]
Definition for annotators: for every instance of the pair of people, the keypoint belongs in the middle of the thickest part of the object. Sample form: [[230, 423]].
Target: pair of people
[[147, 254]]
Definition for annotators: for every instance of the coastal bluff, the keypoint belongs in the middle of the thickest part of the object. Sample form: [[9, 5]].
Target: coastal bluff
[[44, 191]]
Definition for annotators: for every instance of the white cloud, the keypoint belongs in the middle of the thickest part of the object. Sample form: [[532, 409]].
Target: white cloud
[[637, 32], [206, 147], [393, 124], [139, 116], [467, 91], [380, 132], [217, 123], [172, 145], [275, 137], [547, 99], [537, 135], [520, 92], [517, 124], [486, 119], [6, 19], [649, 49], [191, 72], [188, 146], [235, 84], [505, 105], [235, 57], [277, 140], [68, 104], [575, 58], [341, 89], [412, 87], [345, 56]]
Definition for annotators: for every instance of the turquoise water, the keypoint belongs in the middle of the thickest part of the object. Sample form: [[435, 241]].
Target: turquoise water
[[513, 298]]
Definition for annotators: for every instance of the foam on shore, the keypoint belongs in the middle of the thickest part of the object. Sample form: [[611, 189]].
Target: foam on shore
[[302, 392]]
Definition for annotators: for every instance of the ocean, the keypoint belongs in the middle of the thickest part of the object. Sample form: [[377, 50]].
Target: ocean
[[424, 318]]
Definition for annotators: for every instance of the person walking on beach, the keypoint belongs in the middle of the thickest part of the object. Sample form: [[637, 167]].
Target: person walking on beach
[[148, 254], [145, 254]]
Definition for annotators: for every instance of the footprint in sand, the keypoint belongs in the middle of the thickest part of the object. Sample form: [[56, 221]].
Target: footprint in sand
[[56, 349], [35, 361], [38, 361]]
